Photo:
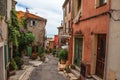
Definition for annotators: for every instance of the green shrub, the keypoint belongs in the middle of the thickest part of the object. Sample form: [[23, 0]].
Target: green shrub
[[42, 57], [63, 54], [53, 51], [19, 62], [13, 65], [72, 66], [67, 69]]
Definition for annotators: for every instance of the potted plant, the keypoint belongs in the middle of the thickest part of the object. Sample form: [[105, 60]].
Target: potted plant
[[42, 57], [63, 56], [13, 67], [19, 62]]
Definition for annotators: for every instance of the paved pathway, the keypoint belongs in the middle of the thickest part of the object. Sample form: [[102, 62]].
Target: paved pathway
[[48, 71]]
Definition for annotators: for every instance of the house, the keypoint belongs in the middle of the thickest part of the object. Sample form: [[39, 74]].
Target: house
[[56, 41], [36, 25], [5, 8], [113, 64], [89, 36], [51, 44], [60, 33], [67, 30]]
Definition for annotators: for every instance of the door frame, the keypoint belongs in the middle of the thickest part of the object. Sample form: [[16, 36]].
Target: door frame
[[74, 47], [94, 55], [3, 60]]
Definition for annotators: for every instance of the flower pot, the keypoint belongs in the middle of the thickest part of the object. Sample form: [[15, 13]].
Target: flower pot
[[62, 61]]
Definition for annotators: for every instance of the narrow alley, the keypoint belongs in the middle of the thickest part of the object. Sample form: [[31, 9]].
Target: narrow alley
[[48, 70]]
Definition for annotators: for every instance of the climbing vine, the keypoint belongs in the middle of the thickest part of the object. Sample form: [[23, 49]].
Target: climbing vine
[[13, 29], [18, 34]]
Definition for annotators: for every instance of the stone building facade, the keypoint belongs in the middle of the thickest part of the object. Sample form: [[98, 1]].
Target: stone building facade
[[36, 25], [113, 63], [60, 33], [89, 36], [5, 8]]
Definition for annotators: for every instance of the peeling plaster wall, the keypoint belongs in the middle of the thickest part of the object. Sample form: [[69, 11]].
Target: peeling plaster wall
[[113, 63]]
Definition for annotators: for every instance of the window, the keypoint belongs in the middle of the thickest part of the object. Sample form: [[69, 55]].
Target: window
[[69, 6], [65, 27], [100, 2], [33, 23], [77, 8], [69, 27], [65, 11], [3, 5], [79, 5]]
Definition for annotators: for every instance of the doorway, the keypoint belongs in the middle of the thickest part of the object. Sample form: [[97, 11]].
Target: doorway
[[78, 46], [101, 50]]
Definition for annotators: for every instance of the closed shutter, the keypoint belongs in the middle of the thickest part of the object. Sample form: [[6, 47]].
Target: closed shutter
[[6, 55], [97, 3], [105, 1], [31, 23]]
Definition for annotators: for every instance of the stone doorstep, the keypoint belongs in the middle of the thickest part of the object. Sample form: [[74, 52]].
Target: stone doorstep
[[96, 77], [26, 74], [61, 66], [72, 77], [75, 73]]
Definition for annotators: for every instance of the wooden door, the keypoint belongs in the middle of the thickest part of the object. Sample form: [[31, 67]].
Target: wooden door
[[101, 50], [78, 51]]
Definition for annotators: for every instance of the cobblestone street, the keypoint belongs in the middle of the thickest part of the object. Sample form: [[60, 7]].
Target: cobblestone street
[[48, 70]]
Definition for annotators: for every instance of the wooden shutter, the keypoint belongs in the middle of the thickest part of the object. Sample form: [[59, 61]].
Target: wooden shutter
[[97, 3]]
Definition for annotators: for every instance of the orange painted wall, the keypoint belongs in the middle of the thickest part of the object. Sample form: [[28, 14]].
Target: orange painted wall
[[96, 24], [89, 8]]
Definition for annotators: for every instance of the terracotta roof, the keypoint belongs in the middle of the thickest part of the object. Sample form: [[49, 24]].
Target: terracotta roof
[[21, 14]]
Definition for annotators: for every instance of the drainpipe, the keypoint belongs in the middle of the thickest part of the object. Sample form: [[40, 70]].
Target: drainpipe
[[106, 61]]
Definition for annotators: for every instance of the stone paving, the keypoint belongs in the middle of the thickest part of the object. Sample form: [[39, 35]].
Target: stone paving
[[25, 73], [48, 70]]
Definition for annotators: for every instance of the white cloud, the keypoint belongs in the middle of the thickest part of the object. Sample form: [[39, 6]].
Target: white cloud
[[51, 10]]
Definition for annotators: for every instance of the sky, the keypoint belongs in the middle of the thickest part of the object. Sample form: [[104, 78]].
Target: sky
[[49, 9]]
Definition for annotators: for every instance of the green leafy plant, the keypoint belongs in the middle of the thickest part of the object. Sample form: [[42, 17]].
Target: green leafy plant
[[1, 17], [13, 28], [63, 54], [24, 22], [53, 51], [72, 67], [67, 69], [19, 62], [42, 57], [13, 65]]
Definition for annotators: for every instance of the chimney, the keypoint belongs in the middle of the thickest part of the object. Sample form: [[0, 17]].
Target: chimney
[[27, 11]]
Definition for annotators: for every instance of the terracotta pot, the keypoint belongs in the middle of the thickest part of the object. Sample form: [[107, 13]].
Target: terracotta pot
[[62, 61]]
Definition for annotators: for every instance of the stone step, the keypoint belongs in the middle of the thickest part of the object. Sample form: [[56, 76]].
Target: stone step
[[75, 72], [77, 68], [95, 77], [72, 77]]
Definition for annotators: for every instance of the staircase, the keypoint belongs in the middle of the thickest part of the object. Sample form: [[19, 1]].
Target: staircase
[[75, 74]]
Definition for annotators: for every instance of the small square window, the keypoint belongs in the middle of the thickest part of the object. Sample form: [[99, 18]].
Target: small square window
[[100, 3], [33, 23]]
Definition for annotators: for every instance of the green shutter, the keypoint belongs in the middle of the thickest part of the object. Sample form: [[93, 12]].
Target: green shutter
[[78, 44], [5, 55], [39, 49], [29, 50]]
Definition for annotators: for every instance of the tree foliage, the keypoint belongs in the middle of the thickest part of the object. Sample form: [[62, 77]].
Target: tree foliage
[[13, 29], [18, 34]]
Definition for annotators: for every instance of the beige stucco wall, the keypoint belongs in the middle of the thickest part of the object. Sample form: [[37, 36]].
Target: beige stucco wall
[[38, 31], [113, 62], [67, 18], [9, 7], [3, 27]]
